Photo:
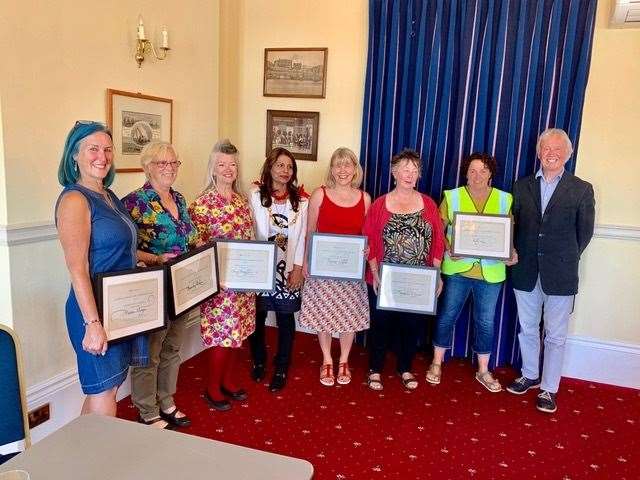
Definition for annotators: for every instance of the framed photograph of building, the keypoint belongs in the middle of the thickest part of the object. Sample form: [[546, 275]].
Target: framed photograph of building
[[295, 72], [135, 120], [295, 131]]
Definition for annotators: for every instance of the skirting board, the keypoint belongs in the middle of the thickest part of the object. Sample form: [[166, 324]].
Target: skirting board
[[587, 359], [613, 363]]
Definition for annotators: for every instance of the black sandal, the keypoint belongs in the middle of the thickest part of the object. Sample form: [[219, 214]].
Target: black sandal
[[154, 421], [172, 419]]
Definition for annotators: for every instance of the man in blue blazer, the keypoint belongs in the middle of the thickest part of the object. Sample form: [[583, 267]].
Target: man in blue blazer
[[554, 214]]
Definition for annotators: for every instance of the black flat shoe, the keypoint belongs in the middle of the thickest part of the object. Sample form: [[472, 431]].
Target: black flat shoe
[[278, 381], [220, 405], [257, 373], [175, 421], [237, 395]]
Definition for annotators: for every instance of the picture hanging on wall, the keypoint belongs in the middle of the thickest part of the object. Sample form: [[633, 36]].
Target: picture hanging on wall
[[135, 120], [295, 131], [295, 72]]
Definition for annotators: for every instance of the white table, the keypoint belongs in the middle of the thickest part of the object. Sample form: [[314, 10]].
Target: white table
[[96, 447]]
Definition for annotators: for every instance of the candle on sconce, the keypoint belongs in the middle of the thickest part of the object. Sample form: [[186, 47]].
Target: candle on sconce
[[141, 35], [165, 38]]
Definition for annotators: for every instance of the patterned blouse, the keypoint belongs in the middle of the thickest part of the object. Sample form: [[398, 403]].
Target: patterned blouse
[[158, 231], [407, 238]]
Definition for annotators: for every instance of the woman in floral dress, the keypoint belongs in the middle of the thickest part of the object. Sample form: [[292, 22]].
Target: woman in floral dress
[[228, 318]]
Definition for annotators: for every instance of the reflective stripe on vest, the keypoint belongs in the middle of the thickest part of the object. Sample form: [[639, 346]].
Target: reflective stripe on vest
[[459, 200]]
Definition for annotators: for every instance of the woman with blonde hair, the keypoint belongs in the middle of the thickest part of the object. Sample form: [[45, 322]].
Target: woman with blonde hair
[[165, 230], [332, 306], [228, 318]]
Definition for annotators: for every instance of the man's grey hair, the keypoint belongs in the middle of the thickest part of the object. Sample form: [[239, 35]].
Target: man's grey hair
[[550, 132]]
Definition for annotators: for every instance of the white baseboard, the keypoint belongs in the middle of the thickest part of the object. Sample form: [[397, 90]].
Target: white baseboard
[[64, 396], [614, 363]]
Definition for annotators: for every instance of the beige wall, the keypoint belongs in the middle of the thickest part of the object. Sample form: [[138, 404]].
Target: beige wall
[[250, 26], [63, 56], [608, 305]]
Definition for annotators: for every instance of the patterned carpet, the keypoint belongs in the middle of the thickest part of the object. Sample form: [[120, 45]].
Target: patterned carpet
[[456, 430]]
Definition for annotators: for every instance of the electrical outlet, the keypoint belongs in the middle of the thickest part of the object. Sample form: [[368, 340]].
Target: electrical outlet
[[39, 415]]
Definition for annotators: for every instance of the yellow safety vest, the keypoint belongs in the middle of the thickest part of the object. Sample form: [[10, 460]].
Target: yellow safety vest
[[459, 200]]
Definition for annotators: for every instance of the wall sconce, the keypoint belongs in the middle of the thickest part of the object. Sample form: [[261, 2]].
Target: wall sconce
[[145, 46]]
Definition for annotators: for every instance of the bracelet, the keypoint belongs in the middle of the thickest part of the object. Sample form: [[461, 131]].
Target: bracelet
[[95, 320]]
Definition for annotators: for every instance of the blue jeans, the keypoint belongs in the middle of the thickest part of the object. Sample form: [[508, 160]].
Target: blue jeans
[[455, 293]]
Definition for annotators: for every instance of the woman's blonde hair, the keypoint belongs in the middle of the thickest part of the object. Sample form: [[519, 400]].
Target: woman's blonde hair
[[344, 155], [155, 150], [224, 147]]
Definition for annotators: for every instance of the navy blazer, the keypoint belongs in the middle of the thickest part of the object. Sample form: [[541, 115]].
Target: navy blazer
[[550, 245]]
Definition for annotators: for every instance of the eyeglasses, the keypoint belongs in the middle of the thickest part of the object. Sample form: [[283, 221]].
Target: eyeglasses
[[164, 165], [87, 122]]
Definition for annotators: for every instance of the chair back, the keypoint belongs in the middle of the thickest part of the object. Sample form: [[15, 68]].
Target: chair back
[[14, 425]]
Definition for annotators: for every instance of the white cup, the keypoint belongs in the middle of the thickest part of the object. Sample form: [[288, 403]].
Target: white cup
[[15, 475]]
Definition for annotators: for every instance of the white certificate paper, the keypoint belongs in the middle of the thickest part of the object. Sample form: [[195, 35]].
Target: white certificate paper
[[340, 257], [133, 303], [193, 279], [246, 265], [407, 288], [481, 236]]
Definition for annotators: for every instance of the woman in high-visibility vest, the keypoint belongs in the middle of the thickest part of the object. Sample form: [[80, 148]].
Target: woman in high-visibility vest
[[462, 276]]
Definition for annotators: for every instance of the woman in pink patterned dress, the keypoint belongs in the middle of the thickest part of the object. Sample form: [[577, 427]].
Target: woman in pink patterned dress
[[228, 318]]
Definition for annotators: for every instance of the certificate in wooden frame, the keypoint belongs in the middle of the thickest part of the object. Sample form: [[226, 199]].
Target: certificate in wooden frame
[[246, 265], [131, 302], [338, 257], [295, 72], [408, 288], [193, 279], [484, 236], [295, 131], [135, 120]]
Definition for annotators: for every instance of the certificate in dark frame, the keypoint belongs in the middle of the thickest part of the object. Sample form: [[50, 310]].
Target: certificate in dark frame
[[263, 244], [173, 264], [506, 219], [99, 287], [338, 237], [425, 269]]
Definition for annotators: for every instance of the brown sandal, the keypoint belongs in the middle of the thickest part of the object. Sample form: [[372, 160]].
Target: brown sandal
[[489, 382], [344, 374], [326, 375], [374, 381]]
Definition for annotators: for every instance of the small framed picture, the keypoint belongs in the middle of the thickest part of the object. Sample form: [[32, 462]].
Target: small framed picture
[[193, 278], [135, 120], [131, 302], [295, 72], [481, 236], [295, 131], [339, 257], [408, 288], [246, 265]]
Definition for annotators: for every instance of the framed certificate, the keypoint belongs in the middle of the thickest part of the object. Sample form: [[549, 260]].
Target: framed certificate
[[131, 301], [408, 288], [193, 278], [340, 257], [246, 265], [481, 236]]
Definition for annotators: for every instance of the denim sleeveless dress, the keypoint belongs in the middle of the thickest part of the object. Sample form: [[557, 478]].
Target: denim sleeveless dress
[[112, 248]]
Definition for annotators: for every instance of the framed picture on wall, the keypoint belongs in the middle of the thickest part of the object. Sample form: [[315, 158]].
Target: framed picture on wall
[[295, 72], [135, 120], [295, 131]]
